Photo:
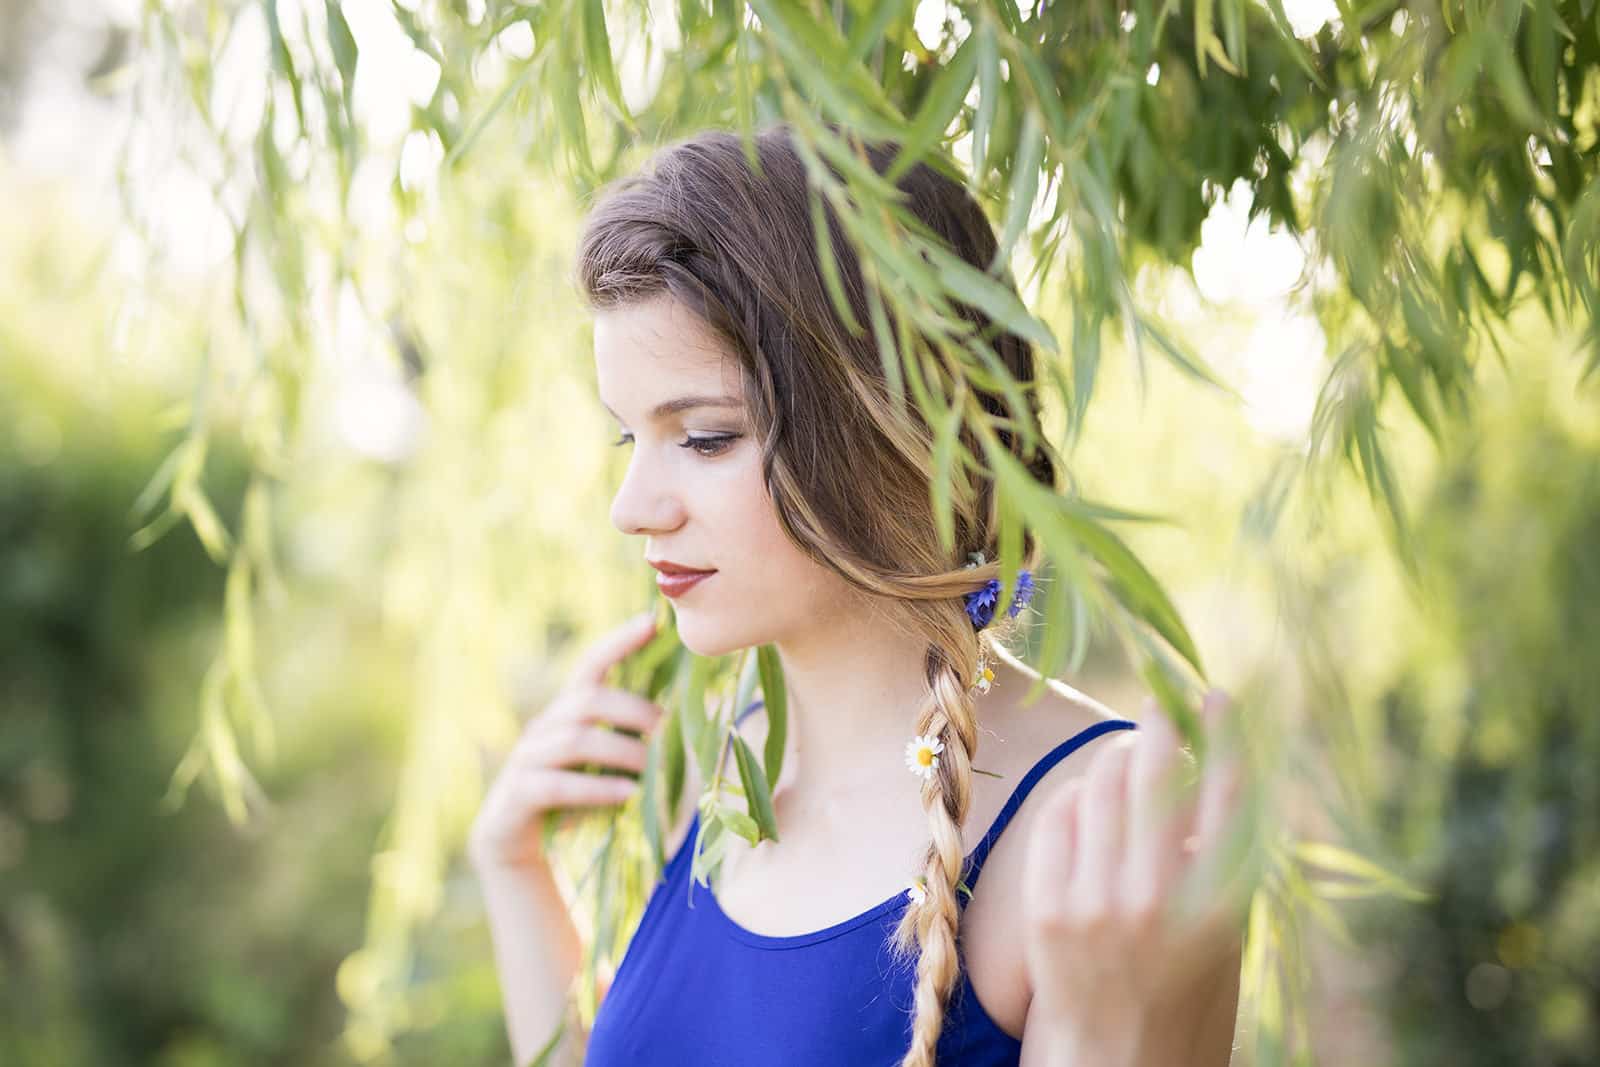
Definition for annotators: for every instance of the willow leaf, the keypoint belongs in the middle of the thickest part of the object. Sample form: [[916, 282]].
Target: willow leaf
[[994, 298], [1353, 865], [758, 793], [948, 428], [597, 52], [870, 31], [938, 107], [1139, 589], [650, 799], [820, 57], [1024, 186], [989, 89], [775, 697], [827, 257], [741, 824]]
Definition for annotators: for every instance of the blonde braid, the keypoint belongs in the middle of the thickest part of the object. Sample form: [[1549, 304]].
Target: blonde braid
[[934, 925]]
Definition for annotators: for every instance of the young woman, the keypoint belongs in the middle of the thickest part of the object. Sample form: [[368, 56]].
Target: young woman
[[785, 501]]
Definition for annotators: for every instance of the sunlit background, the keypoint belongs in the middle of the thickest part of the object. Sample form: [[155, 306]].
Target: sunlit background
[[411, 464]]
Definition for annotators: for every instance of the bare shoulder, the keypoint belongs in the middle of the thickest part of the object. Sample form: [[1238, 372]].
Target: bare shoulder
[[1032, 728]]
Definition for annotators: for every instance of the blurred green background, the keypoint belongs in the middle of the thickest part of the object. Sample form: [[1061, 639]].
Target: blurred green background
[[380, 531]]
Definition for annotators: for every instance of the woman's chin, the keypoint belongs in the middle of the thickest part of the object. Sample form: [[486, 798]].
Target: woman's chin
[[704, 638], [700, 637]]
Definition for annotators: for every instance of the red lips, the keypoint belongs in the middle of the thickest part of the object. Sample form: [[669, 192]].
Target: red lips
[[666, 566], [675, 579]]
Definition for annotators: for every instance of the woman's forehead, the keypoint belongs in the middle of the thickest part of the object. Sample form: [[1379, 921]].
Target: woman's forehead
[[657, 354]]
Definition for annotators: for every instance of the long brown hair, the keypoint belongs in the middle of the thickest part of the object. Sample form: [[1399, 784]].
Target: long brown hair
[[849, 471]]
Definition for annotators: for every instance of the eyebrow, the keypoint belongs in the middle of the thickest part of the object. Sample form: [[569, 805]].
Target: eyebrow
[[683, 403]]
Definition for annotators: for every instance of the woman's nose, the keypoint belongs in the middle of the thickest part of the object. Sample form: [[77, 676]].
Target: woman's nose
[[646, 501]]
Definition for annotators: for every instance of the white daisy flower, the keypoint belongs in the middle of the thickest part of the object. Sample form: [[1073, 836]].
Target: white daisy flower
[[922, 755], [985, 680], [916, 892]]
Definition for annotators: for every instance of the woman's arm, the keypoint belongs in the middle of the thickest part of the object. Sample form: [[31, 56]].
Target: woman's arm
[[1195, 1029], [537, 954], [538, 951]]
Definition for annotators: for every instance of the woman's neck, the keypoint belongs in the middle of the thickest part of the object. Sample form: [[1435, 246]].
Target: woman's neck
[[854, 689]]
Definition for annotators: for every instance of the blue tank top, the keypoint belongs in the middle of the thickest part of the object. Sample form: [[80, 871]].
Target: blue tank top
[[696, 989]]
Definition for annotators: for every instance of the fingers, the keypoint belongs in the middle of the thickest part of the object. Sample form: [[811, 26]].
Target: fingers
[[612, 647], [572, 744], [1161, 810], [588, 725], [1223, 778], [617, 707], [1218, 885], [1109, 863], [551, 789], [507, 829], [1101, 819], [1051, 853]]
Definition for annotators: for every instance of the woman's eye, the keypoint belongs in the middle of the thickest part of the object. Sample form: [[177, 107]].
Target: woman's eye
[[705, 446], [710, 446]]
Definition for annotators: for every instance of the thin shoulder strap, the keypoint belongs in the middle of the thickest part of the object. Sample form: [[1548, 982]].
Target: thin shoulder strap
[[1031, 779]]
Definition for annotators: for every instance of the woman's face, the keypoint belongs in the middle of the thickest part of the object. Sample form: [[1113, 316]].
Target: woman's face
[[694, 488]]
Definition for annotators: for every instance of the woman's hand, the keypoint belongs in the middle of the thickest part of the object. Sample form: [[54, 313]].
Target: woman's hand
[[572, 730], [1134, 900]]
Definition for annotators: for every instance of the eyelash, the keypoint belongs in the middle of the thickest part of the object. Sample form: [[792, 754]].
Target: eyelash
[[720, 443]]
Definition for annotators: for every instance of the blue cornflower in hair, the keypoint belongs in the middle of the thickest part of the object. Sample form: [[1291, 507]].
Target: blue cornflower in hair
[[1024, 594], [981, 603]]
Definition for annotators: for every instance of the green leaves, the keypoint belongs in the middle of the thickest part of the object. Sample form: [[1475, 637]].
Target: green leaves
[[819, 58], [1359, 876], [1136, 586], [756, 790], [1024, 184], [741, 824], [827, 256], [345, 54], [700, 734], [994, 298], [868, 33], [597, 52], [939, 106], [990, 88], [664, 769], [944, 471], [775, 696], [1580, 249]]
